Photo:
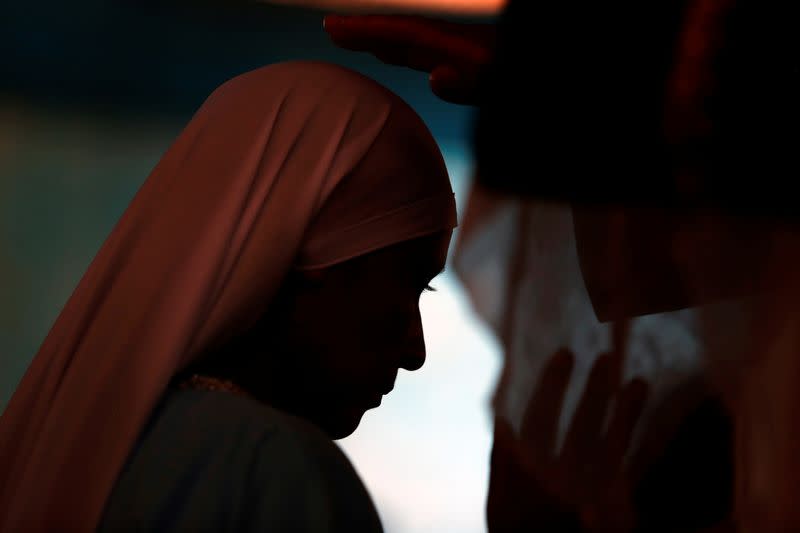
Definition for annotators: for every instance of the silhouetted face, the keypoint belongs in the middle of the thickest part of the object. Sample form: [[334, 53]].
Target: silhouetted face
[[339, 335]]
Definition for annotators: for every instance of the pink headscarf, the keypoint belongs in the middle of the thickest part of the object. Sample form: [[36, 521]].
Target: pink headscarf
[[294, 165]]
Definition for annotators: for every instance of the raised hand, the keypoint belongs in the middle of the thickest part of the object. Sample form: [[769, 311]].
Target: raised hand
[[452, 53], [584, 486]]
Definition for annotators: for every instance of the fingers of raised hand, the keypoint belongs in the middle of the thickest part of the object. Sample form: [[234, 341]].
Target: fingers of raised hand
[[539, 430], [628, 407], [586, 430], [367, 28], [418, 42]]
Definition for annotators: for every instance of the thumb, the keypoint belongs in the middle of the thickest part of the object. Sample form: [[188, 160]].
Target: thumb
[[454, 85], [504, 433], [502, 507], [504, 447]]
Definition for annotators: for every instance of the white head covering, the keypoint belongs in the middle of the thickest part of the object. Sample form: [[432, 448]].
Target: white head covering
[[258, 182]]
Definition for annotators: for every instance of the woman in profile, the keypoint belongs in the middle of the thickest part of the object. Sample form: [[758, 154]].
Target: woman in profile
[[258, 295]]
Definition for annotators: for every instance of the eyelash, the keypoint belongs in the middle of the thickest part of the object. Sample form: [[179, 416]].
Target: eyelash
[[428, 288]]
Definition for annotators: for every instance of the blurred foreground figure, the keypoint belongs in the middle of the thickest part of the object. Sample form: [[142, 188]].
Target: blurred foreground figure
[[632, 162], [258, 295]]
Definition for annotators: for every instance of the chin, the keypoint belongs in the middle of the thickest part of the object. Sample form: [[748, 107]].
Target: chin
[[342, 423]]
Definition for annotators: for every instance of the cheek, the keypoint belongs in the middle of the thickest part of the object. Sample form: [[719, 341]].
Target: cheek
[[393, 323], [355, 329], [328, 328]]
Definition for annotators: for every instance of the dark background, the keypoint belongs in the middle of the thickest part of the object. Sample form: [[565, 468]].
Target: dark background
[[163, 60]]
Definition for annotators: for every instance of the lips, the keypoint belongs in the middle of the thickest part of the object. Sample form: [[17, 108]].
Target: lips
[[373, 395], [376, 397], [388, 385]]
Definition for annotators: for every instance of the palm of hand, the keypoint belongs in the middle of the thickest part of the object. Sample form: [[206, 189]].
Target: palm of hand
[[452, 53]]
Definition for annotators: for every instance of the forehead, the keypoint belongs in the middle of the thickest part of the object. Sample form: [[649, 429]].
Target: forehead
[[423, 256]]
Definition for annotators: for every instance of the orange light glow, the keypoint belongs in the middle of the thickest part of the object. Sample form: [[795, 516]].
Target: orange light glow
[[465, 7]]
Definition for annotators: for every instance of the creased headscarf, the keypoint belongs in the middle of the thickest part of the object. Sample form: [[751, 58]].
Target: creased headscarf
[[294, 165]]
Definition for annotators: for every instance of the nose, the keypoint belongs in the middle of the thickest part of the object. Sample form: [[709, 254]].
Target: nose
[[414, 353]]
